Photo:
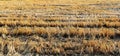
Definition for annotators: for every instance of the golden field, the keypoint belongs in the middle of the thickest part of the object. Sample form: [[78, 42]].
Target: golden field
[[59, 27]]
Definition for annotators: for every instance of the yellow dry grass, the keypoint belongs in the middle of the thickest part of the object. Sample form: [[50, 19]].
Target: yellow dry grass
[[54, 27]]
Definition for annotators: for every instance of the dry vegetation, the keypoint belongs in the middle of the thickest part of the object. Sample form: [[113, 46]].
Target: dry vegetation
[[58, 27]]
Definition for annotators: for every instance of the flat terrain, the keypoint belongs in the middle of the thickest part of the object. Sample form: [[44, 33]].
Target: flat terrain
[[59, 27]]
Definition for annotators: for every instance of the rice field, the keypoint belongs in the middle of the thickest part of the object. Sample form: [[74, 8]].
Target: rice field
[[59, 27]]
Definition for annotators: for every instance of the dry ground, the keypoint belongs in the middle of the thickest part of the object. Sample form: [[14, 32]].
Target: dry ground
[[59, 27]]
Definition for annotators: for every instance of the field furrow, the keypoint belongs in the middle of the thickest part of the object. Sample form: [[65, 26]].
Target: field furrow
[[60, 27]]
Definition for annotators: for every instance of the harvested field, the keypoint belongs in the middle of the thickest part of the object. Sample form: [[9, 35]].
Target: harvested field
[[59, 27]]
